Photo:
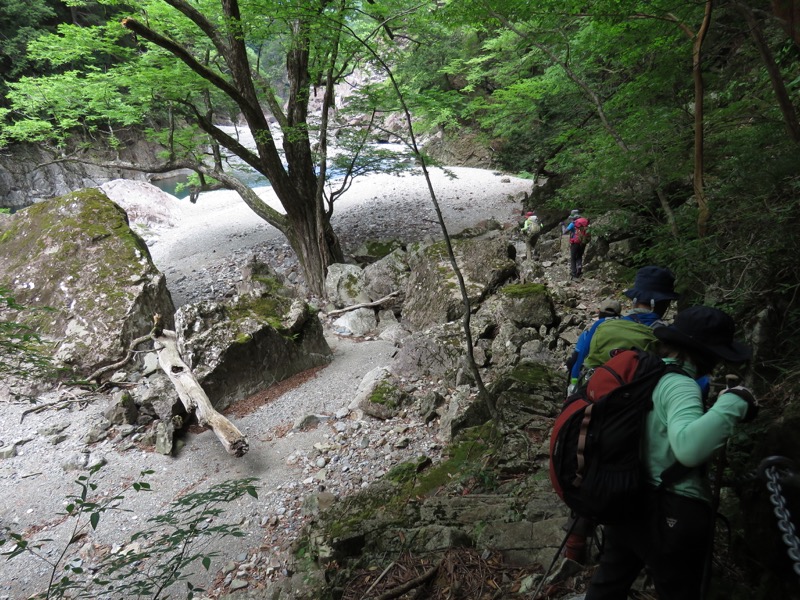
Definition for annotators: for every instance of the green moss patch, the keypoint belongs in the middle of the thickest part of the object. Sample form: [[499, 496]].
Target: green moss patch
[[385, 394], [268, 309], [381, 248], [524, 290], [533, 374]]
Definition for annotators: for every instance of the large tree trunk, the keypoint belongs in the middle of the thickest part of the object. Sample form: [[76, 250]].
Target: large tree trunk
[[316, 248], [779, 87], [699, 122], [306, 225]]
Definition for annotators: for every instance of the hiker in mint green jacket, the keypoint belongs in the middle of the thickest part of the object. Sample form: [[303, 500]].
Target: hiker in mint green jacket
[[671, 534]]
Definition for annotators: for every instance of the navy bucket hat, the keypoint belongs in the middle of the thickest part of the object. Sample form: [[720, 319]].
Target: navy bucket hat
[[653, 284], [706, 329]]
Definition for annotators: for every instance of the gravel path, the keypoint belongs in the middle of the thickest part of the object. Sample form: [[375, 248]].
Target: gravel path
[[201, 248]]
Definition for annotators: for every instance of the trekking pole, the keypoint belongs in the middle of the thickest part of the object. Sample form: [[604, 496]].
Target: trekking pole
[[731, 380], [555, 558]]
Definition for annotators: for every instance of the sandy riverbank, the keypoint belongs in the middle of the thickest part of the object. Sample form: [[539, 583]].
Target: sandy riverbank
[[191, 243]]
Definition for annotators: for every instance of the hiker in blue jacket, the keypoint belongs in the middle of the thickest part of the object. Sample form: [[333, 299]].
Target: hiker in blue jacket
[[652, 293], [579, 237], [671, 533], [608, 309]]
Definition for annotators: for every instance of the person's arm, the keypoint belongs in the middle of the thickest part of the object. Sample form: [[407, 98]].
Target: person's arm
[[694, 435], [582, 350]]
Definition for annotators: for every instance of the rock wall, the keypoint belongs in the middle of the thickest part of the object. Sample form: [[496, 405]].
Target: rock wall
[[460, 149], [30, 173]]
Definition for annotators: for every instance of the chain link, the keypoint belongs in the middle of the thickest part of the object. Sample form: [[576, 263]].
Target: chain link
[[770, 470]]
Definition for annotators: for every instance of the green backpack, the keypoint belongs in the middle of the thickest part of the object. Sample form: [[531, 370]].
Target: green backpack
[[618, 333]]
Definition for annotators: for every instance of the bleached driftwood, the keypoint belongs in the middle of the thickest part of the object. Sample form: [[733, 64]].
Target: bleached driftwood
[[193, 397], [372, 304]]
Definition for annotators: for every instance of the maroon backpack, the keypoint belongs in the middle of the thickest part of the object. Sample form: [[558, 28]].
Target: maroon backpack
[[595, 446]]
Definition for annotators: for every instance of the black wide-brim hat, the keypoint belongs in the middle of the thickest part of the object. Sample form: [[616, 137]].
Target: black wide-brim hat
[[706, 329], [653, 283]]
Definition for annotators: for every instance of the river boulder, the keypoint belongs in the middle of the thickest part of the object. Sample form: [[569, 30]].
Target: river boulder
[[77, 260], [433, 296], [246, 343]]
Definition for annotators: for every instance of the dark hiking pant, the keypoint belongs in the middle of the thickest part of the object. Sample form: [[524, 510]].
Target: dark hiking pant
[[576, 259], [530, 245], [670, 537]]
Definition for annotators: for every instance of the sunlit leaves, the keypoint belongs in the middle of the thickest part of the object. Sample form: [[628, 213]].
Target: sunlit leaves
[[72, 45]]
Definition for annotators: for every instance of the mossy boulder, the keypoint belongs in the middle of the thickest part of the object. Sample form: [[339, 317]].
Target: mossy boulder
[[78, 256], [247, 343], [387, 275], [525, 305], [432, 292], [344, 285], [378, 395]]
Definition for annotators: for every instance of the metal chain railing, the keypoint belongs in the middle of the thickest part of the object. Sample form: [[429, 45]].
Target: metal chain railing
[[773, 469]]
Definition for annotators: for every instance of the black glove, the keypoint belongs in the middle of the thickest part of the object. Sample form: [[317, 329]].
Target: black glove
[[747, 396]]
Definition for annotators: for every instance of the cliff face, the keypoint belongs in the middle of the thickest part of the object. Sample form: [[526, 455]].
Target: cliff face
[[30, 173]]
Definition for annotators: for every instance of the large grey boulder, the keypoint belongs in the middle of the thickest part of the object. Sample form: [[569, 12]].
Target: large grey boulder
[[145, 204], [432, 292], [243, 345], [524, 305], [358, 322], [436, 353], [77, 255], [344, 285], [387, 275]]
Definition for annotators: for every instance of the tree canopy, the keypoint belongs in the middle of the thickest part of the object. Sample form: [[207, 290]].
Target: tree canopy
[[180, 69], [678, 116], [682, 114]]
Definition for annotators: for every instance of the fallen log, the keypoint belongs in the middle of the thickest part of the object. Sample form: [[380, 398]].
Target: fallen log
[[372, 304], [193, 397]]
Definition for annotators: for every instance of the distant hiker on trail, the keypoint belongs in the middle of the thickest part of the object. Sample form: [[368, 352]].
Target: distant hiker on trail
[[531, 228], [573, 214], [579, 237], [671, 531], [608, 309]]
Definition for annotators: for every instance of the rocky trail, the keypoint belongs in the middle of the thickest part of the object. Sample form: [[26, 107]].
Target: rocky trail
[[302, 439]]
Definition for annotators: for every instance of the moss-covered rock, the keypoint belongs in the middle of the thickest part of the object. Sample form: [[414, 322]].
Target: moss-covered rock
[[77, 255], [247, 343], [344, 285], [433, 295]]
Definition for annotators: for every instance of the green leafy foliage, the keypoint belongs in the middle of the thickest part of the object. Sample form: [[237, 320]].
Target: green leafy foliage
[[23, 354], [20, 22], [154, 559]]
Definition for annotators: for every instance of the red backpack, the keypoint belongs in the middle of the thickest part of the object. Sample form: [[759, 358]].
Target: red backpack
[[595, 446], [580, 235]]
